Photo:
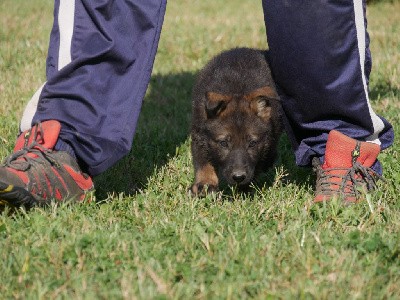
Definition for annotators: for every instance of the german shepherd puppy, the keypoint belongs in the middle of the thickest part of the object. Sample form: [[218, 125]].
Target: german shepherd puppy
[[236, 120]]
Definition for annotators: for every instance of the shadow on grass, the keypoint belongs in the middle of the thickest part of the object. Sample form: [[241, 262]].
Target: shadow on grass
[[383, 89], [163, 126]]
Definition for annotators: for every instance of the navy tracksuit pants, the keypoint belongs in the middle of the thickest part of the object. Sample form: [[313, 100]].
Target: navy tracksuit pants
[[101, 55]]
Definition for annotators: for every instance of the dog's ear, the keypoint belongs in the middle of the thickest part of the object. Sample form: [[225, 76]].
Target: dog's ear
[[260, 101], [216, 103]]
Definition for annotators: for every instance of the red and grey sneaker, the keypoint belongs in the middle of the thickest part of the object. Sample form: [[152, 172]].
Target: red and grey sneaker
[[36, 174], [346, 169]]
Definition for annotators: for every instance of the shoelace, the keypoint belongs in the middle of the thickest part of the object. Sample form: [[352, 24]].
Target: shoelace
[[350, 179], [21, 161]]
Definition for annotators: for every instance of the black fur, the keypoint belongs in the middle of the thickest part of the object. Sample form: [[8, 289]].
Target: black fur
[[236, 119]]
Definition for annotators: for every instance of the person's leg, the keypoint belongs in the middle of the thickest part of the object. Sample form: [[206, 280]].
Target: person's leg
[[100, 59], [99, 64], [320, 59]]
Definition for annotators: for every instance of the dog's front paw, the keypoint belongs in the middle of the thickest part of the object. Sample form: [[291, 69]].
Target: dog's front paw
[[202, 189]]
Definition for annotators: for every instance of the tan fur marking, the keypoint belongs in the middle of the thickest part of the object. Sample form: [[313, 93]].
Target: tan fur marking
[[206, 176], [217, 97], [216, 103], [265, 91]]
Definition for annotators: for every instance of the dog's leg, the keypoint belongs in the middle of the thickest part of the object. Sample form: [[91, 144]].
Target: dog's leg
[[206, 180]]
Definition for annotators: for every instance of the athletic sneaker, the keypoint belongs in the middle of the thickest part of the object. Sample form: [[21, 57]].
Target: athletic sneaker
[[36, 174], [346, 172]]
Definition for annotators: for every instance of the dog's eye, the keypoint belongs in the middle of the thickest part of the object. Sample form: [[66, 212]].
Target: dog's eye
[[252, 143], [223, 144]]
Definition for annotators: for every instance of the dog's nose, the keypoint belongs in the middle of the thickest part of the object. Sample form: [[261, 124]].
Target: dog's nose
[[239, 176]]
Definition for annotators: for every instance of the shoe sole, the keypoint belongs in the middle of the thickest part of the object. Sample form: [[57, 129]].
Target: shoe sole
[[15, 196]]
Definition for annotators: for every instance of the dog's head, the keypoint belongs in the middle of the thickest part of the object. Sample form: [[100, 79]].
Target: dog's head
[[241, 131]]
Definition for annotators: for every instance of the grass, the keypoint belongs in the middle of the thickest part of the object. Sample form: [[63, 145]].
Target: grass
[[144, 238]]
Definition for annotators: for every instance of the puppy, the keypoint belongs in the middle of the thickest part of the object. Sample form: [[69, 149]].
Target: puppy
[[236, 120]]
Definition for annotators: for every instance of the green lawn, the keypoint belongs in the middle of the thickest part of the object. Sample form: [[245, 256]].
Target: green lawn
[[145, 238]]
